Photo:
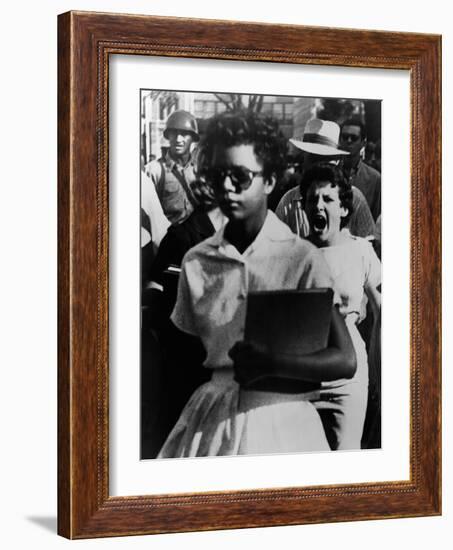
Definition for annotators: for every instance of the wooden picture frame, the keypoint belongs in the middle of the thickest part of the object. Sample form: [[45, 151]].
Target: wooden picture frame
[[85, 41]]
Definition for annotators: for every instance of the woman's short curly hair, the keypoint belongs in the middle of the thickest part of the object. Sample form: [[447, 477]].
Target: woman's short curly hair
[[246, 128], [325, 171]]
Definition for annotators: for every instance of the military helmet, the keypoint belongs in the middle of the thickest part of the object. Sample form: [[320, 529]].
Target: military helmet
[[182, 120]]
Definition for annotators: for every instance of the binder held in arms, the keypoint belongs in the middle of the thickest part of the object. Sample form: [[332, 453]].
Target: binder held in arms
[[288, 322]]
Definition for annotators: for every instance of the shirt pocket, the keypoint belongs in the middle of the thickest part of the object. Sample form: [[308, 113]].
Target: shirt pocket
[[172, 187]]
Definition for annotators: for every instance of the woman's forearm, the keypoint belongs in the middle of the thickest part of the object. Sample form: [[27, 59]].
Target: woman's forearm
[[338, 360]]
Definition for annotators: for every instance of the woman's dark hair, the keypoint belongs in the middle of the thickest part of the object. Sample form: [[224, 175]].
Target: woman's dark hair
[[204, 194], [246, 128], [323, 172]]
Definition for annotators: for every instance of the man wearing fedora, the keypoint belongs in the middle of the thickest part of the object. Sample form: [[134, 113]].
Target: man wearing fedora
[[320, 144], [173, 174]]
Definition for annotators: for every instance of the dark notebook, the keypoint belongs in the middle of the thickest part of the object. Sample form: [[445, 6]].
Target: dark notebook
[[289, 321]]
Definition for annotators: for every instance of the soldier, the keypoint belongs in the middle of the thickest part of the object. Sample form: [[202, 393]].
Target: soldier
[[173, 174]]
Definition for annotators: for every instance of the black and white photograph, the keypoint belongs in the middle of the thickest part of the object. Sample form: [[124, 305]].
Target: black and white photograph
[[186, 363], [260, 231]]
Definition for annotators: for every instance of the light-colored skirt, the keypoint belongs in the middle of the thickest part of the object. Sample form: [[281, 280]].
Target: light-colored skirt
[[220, 419], [342, 403]]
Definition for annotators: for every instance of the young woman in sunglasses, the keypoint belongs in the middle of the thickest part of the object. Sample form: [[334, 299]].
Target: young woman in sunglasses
[[243, 155]]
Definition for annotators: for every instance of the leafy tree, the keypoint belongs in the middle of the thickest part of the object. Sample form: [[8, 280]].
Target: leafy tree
[[240, 102]]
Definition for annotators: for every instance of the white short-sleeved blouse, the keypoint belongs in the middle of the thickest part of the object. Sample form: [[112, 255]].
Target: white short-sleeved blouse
[[215, 280]]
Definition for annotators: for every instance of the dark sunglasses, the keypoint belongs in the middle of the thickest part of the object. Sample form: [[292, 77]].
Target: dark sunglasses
[[240, 177], [350, 137]]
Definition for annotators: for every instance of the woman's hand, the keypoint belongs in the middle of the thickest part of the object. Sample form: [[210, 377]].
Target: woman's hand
[[338, 360], [251, 362]]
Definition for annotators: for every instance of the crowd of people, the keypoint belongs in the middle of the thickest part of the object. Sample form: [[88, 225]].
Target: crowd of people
[[223, 216]]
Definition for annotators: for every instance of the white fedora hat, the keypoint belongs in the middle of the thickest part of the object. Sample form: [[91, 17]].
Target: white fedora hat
[[320, 138]]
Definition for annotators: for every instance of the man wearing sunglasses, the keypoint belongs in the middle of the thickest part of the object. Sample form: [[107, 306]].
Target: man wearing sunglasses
[[353, 140]]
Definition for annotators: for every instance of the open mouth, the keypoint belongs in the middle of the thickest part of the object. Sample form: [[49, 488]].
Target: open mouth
[[319, 222]]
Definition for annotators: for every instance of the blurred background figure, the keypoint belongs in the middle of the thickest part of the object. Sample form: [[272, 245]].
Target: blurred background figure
[[153, 224], [353, 139], [373, 154], [201, 224]]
